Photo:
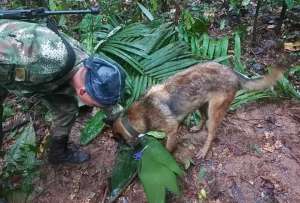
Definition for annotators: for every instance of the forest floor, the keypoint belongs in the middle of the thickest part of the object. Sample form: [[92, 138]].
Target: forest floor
[[255, 158]]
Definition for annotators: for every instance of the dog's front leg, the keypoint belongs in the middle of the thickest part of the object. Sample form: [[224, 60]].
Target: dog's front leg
[[171, 141], [171, 133]]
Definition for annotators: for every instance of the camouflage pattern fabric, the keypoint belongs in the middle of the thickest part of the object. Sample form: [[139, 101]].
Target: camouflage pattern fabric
[[40, 51], [31, 53], [64, 109]]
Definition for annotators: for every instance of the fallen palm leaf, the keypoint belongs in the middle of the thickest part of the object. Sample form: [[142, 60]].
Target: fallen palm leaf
[[125, 170], [146, 12], [285, 88], [244, 97], [292, 46]]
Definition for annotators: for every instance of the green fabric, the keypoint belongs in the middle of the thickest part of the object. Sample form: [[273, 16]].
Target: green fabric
[[64, 108], [34, 47], [31, 55]]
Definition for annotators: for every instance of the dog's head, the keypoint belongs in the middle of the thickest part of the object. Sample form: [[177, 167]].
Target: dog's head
[[130, 125], [120, 130]]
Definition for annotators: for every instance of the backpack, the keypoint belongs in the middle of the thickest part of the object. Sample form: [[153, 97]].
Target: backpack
[[32, 55]]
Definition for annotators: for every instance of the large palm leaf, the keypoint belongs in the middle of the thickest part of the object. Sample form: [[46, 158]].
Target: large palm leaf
[[148, 53]]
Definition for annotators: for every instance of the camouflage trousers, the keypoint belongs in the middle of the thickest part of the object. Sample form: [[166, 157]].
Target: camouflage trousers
[[64, 109]]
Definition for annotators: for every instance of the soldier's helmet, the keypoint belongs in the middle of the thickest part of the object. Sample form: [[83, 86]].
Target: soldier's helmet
[[104, 81]]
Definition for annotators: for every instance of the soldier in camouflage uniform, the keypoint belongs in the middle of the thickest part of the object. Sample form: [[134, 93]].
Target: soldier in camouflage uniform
[[36, 60]]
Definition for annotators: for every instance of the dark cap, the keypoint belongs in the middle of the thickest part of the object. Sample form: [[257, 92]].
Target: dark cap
[[104, 81]]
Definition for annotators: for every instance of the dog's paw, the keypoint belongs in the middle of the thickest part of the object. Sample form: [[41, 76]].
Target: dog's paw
[[200, 155]]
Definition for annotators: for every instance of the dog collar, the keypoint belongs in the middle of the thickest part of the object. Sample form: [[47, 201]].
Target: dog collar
[[132, 132]]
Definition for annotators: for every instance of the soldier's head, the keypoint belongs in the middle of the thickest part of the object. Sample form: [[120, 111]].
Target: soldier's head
[[101, 83]]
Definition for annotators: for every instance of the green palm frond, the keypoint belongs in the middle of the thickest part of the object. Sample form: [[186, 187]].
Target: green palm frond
[[148, 53]]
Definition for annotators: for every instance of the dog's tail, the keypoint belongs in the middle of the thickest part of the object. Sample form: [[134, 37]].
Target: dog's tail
[[261, 82]]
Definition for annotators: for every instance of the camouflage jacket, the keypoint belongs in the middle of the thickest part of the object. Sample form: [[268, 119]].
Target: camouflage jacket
[[31, 54]]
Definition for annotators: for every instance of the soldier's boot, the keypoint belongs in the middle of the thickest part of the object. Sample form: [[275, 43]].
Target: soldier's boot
[[60, 153]]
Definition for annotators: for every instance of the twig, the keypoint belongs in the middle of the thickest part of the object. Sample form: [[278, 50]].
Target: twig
[[282, 17], [255, 22], [18, 122], [291, 155], [295, 158], [177, 13], [105, 195]]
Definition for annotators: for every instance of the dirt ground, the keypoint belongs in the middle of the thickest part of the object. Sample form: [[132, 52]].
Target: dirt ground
[[255, 158]]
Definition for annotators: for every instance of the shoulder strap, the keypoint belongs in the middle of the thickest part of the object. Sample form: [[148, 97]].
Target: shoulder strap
[[65, 74]]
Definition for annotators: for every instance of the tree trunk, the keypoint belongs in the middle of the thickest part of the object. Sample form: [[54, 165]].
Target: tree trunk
[[255, 22], [282, 17], [177, 13]]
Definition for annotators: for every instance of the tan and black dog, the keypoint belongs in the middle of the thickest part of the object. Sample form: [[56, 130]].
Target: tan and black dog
[[209, 87]]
